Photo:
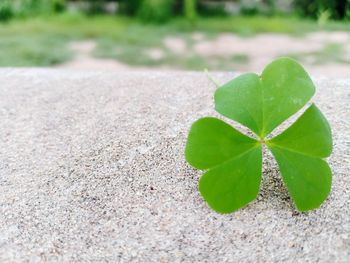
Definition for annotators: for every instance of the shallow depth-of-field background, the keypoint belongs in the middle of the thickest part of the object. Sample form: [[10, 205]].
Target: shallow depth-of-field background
[[239, 35]]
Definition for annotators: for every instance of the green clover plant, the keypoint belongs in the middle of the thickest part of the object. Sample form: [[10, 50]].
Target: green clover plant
[[233, 161]]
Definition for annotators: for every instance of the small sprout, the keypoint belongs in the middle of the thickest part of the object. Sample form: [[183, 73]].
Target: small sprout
[[210, 78], [233, 161]]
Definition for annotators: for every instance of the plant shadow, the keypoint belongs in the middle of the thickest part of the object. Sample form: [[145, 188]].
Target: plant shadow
[[273, 191]]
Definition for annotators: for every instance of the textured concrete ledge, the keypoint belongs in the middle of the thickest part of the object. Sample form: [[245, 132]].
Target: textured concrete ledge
[[92, 170]]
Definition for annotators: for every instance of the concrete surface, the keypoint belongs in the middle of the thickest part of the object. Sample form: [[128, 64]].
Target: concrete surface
[[92, 170]]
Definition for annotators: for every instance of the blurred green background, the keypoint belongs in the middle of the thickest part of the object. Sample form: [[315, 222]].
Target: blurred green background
[[175, 34]]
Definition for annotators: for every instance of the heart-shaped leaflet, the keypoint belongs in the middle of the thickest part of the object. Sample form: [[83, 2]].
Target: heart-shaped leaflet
[[234, 161]]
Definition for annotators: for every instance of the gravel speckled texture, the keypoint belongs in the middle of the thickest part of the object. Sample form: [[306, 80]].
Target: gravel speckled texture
[[92, 170]]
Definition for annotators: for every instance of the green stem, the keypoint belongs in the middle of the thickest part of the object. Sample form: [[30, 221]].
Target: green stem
[[211, 79]]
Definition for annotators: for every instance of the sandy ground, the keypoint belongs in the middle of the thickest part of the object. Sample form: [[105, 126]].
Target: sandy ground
[[259, 49], [92, 170]]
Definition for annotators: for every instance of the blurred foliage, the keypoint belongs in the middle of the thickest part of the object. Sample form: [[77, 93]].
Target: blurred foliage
[[59, 6], [160, 11], [21, 8], [155, 10], [190, 10], [41, 36], [329, 53], [95, 6], [266, 7], [6, 10], [337, 8], [129, 7], [33, 7], [44, 40], [28, 50], [323, 17]]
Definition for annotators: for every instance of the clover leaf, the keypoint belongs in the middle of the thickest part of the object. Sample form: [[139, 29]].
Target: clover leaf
[[233, 161]]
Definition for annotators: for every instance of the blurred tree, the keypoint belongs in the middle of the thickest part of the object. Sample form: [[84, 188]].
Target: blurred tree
[[254, 7], [159, 10], [313, 8], [190, 10], [96, 6], [58, 6], [35, 7], [271, 6], [129, 7], [156, 10], [341, 8], [6, 10]]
